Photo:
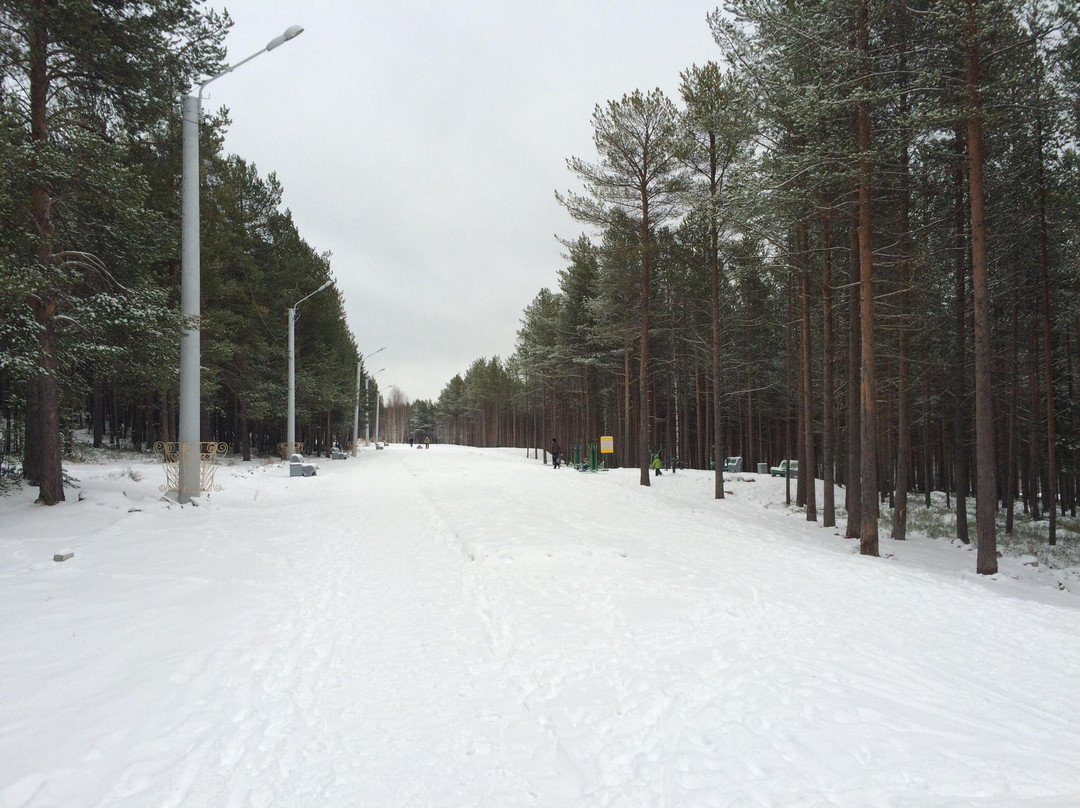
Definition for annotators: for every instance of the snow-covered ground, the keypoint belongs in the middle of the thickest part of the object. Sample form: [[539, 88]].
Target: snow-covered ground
[[464, 627]]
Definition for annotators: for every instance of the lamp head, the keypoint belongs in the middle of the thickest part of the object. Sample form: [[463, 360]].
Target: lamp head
[[291, 32]]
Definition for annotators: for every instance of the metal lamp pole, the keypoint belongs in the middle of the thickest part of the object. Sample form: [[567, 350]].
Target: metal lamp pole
[[378, 403], [190, 450], [291, 428], [367, 422], [356, 413]]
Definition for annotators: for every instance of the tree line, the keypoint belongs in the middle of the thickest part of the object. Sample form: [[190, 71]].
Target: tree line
[[852, 241], [90, 145]]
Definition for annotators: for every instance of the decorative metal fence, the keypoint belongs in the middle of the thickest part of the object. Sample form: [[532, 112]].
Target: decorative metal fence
[[209, 453], [286, 453]]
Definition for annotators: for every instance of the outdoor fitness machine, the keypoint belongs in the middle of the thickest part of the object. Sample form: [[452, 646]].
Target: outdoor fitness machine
[[594, 462]]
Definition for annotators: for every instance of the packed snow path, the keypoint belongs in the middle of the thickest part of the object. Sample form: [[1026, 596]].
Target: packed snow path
[[456, 627]]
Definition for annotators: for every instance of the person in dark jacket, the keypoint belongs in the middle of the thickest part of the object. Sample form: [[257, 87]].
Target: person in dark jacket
[[555, 452]]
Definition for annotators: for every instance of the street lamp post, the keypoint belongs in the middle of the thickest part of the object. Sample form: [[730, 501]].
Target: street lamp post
[[356, 413], [378, 403], [367, 422], [190, 449], [291, 428]]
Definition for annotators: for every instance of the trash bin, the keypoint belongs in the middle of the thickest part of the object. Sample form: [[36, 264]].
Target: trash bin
[[762, 468]]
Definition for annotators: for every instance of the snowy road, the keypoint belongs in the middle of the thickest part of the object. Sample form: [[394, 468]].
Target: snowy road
[[456, 627]]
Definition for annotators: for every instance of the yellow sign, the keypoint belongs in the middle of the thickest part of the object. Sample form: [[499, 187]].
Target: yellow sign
[[607, 444]]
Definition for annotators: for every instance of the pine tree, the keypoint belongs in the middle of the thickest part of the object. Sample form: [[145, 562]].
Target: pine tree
[[639, 175], [64, 61], [718, 130]]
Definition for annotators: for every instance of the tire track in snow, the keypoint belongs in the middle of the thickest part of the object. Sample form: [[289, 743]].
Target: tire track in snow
[[429, 634], [615, 745], [499, 665], [246, 699], [722, 680]]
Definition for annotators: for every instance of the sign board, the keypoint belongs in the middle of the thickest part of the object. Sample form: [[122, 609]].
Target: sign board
[[607, 444]]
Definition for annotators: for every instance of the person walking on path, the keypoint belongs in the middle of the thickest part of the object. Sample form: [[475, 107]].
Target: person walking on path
[[555, 452]]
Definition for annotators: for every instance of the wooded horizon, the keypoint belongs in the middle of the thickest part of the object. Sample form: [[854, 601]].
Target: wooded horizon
[[852, 241]]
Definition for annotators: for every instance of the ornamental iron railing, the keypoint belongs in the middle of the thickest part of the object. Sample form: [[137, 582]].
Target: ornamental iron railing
[[284, 449], [209, 453]]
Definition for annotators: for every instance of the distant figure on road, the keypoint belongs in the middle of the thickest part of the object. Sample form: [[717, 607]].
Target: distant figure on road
[[427, 443], [410, 442], [555, 452]]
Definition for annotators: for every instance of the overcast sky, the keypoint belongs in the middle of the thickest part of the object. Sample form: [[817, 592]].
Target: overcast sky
[[421, 143]]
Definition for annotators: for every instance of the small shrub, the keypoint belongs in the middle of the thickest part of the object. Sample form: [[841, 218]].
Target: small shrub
[[1028, 537], [10, 477]]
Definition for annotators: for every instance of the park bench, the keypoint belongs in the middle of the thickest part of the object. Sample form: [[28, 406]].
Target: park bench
[[788, 467]]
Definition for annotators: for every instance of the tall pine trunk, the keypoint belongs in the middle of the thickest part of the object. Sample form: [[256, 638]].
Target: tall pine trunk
[[1014, 398], [960, 463], [828, 437], [626, 403], [31, 467], [97, 410], [1031, 475], [903, 426], [1048, 363], [244, 427], [787, 394], [643, 388], [986, 484], [44, 453], [868, 544], [853, 488], [928, 471], [807, 464], [714, 272]]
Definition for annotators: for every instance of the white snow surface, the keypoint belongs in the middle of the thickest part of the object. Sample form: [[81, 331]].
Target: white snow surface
[[467, 627]]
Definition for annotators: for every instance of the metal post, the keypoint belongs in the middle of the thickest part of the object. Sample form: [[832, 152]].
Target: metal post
[[367, 421], [356, 412], [291, 428], [190, 472], [378, 401], [367, 378], [190, 454]]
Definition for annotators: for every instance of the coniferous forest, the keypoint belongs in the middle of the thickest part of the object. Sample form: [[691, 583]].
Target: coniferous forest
[[851, 240], [90, 249]]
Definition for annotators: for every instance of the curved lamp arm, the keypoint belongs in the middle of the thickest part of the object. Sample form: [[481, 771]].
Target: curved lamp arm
[[291, 32]]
